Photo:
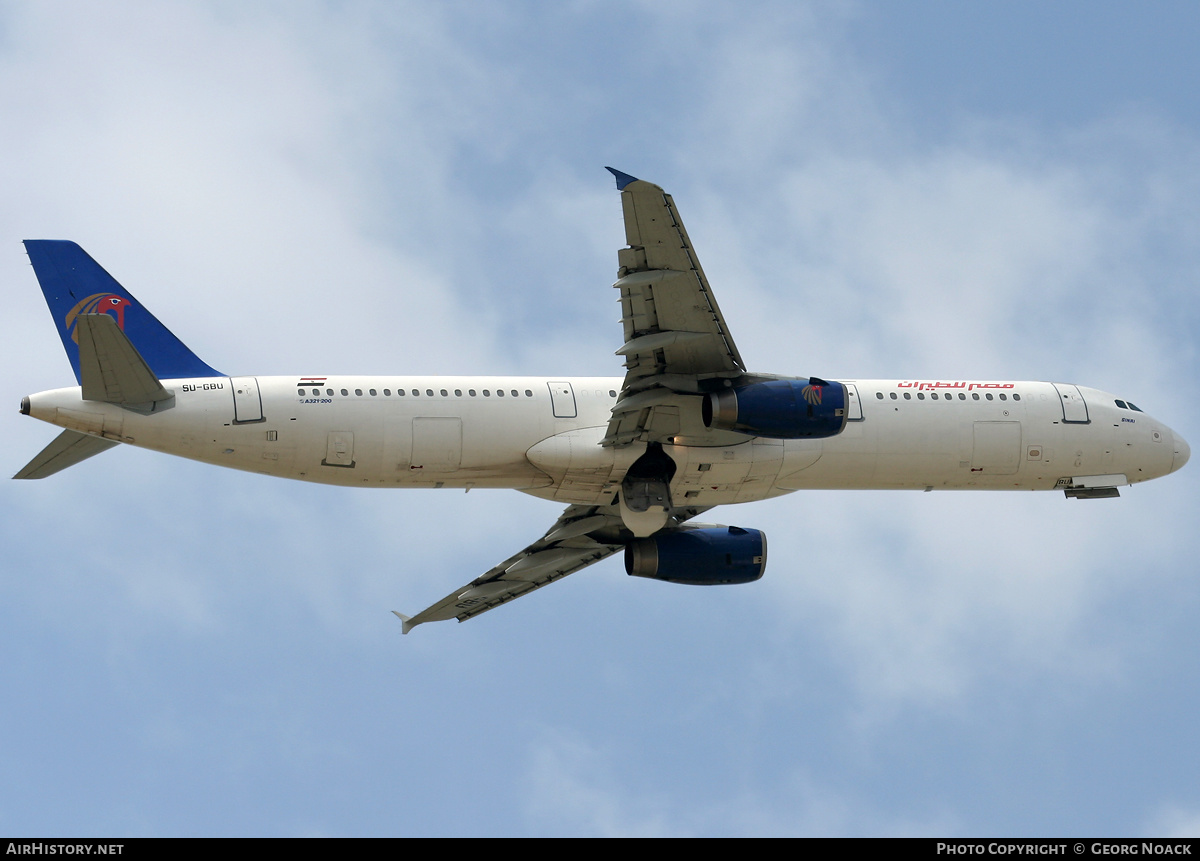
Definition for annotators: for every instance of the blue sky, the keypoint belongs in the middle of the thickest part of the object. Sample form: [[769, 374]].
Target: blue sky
[[418, 188]]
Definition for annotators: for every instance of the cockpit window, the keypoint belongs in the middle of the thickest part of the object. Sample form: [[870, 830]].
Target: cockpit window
[[1121, 404], [1134, 406]]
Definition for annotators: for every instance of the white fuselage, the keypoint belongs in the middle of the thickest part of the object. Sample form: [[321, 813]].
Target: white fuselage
[[542, 436]]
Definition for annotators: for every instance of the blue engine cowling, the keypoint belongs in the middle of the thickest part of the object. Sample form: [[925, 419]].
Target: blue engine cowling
[[699, 556], [779, 409]]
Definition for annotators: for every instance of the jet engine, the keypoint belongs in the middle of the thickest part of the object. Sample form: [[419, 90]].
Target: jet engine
[[699, 555], [779, 409]]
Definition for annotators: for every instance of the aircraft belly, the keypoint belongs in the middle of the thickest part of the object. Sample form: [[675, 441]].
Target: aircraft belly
[[720, 475], [579, 467]]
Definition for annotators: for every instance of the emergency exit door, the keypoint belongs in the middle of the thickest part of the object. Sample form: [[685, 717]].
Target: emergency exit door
[[562, 400]]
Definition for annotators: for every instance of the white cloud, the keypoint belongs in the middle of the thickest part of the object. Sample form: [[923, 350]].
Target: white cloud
[[579, 789], [1174, 821], [572, 793]]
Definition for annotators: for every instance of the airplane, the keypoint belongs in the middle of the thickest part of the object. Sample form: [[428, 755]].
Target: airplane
[[635, 458]]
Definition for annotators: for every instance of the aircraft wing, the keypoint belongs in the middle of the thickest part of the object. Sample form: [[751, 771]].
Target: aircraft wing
[[677, 344], [677, 347], [582, 535]]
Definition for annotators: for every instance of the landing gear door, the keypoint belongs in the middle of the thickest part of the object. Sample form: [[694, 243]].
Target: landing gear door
[[339, 449], [247, 402], [562, 400]]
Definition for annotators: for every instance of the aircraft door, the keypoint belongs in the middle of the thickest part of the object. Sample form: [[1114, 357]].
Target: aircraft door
[[247, 402], [1074, 407], [854, 411], [562, 400]]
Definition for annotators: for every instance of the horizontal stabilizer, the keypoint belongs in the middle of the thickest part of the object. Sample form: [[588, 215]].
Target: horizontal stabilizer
[[67, 449], [110, 367], [406, 622]]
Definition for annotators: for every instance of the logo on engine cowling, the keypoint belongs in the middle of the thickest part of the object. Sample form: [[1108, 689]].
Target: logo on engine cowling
[[97, 303], [812, 394]]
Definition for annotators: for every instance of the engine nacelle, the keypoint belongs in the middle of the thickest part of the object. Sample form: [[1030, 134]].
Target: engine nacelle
[[779, 409], [699, 556]]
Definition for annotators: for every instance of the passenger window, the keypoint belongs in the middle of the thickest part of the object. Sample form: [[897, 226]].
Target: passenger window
[[879, 395], [1016, 397], [920, 396], [471, 392], [373, 393], [988, 396], [514, 393], [416, 393], [528, 393], [1003, 396], [458, 393], [612, 393], [893, 394], [499, 393], [344, 393], [429, 393], [908, 396], [302, 393], [961, 396], [486, 393], [445, 393], [387, 393], [933, 395]]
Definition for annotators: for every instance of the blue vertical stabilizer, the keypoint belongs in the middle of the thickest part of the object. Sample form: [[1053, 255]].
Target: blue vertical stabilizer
[[75, 284]]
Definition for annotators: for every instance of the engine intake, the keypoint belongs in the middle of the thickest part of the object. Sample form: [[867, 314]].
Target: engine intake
[[779, 409], [699, 556]]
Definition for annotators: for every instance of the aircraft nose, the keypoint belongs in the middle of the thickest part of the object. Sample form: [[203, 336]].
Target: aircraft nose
[[1182, 452]]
